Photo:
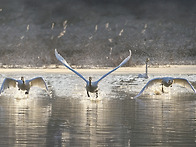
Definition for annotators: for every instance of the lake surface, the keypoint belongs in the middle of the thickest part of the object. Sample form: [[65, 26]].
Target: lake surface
[[69, 118]]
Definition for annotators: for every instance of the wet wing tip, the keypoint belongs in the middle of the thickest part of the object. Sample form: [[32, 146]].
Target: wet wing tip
[[56, 52], [135, 97], [129, 52]]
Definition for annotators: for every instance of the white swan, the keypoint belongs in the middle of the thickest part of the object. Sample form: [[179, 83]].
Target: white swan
[[90, 86], [24, 85], [167, 81], [145, 75]]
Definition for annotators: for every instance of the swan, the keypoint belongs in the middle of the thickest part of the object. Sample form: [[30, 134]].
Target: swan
[[145, 75], [167, 81], [24, 85], [90, 86]]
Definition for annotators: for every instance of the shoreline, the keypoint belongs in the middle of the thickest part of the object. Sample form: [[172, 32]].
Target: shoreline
[[167, 69]]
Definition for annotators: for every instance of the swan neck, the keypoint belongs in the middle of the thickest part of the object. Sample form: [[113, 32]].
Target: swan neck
[[146, 68], [90, 83], [22, 78]]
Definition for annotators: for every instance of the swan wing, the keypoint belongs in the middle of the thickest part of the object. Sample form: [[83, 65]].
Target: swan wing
[[62, 60], [122, 63], [38, 82], [8, 82], [184, 82], [149, 84]]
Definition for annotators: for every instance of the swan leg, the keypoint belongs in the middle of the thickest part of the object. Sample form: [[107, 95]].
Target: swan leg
[[97, 94], [162, 88], [88, 93]]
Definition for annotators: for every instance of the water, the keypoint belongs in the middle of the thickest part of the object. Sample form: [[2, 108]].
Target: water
[[69, 118]]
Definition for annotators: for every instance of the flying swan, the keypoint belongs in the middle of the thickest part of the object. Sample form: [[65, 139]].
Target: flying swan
[[167, 81], [24, 85], [90, 86]]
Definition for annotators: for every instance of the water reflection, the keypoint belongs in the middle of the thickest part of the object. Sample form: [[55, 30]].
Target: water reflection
[[23, 120], [169, 120], [90, 123], [113, 120]]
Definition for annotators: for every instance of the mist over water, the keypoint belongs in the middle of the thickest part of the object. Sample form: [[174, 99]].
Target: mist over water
[[97, 33]]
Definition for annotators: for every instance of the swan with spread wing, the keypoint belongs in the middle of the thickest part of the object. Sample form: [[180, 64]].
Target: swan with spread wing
[[90, 86], [24, 85], [167, 82]]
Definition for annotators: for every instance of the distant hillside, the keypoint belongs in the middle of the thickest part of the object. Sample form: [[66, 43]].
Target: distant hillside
[[97, 32]]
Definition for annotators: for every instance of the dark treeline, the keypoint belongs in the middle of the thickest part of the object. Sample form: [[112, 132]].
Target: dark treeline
[[97, 32]]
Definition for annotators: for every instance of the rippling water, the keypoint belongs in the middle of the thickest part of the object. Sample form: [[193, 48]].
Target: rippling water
[[69, 118]]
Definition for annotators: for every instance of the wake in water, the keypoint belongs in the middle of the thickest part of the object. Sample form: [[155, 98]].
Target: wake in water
[[115, 87]]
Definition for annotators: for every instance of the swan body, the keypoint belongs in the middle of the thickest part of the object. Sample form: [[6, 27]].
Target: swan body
[[167, 82], [22, 84], [90, 86], [145, 75]]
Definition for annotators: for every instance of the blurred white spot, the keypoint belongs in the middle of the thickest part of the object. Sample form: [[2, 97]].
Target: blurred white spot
[[87, 45], [22, 37], [27, 27], [145, 26], [107, 25], [1, 9], [64, 29], [110, 50], [110, 40], [52, 27], [18, 45], [129, 143], [90, 37], [62, 34], [121, 32], [150, 40], [144, 30], [96, 27], [65, 24]]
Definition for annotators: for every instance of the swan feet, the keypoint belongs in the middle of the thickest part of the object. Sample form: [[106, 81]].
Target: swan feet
[[162, 88], [96, 93], [88, 94]]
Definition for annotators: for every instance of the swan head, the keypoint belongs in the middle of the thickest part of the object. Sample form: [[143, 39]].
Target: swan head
[[90, 79], [22, 78], [147, 60], [170, 82], [167, 82]]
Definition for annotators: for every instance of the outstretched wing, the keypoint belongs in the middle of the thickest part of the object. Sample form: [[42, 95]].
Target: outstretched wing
[[184, 82], [122, 63], [38, 82], [8, 82], [62, 60], [149, 84]]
